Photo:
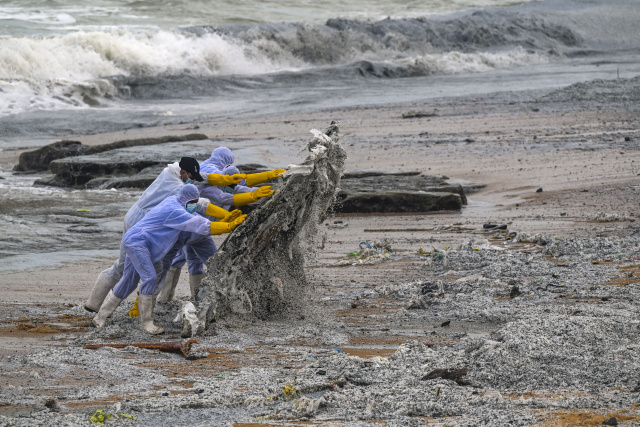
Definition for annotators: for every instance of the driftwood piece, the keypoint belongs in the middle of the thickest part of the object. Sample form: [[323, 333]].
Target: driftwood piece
[[177, 347], [448, 374]]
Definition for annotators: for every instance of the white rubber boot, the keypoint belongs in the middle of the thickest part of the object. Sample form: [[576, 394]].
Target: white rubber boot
[[194, 283], [145, 303], [111, 302], [100, 290], [168, 290]]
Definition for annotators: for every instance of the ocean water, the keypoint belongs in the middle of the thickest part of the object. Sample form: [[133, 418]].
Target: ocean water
[[69, 67]]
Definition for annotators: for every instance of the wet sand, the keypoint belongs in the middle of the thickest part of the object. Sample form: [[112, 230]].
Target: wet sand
[[583, 156]]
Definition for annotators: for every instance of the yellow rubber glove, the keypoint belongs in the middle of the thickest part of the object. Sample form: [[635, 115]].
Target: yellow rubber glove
[[134, 310], [236, 222], [217, 179], [232, 215], [216, 211], [264, 191], [242, 199], [226, 227], [258, 178]]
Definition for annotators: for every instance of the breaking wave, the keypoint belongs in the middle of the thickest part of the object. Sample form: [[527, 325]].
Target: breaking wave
[[100, 68]]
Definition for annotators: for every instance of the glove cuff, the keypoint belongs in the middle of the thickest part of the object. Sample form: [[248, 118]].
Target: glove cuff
[[242, 199], [220, 228], [218, 179], [257, 178], [216, 211]]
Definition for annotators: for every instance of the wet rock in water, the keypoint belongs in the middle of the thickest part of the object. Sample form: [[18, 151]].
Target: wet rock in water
[[259, 269], [107, 166], [142, 179], [376, 192], [40, 159]]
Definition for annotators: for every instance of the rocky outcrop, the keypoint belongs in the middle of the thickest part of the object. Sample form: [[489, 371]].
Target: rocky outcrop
[[40, 159], [398, 201], [384, 192]]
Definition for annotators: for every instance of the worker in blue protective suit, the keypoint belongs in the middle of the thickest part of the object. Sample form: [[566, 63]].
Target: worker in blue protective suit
[[149, 241], [168, 183], [196, 254]]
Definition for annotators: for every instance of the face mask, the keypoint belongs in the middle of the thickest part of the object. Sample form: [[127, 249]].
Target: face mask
[[189, 181], [191, 207]]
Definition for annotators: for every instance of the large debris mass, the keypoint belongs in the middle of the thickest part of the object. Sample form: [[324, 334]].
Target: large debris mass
[[259, 268]]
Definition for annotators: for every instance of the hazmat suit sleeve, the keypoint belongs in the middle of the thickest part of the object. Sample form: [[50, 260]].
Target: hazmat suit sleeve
[[182, 220], [217, 195]]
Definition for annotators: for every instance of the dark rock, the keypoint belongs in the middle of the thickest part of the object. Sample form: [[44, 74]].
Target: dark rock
[[515, 292], [39, 160], [397, 201], [494, 226], [613, 421], [539, 190], [355, 183], [445, 323], [116, 168], [52, 404], [417, 114]]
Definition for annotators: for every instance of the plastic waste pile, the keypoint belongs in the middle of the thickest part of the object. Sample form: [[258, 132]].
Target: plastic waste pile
[[259, 269]]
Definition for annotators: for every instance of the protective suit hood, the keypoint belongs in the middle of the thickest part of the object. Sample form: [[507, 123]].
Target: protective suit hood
[[230, 170], [220, 158], [187, 192]]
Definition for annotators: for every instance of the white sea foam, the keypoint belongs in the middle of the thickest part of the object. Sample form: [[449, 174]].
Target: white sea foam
[[60, 71], [36, 15], [457, 62]]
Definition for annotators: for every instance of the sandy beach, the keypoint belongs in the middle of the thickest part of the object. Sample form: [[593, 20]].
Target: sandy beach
[[360, 352]]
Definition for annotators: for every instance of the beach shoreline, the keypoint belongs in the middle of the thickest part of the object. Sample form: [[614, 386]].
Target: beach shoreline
[[540, 167]]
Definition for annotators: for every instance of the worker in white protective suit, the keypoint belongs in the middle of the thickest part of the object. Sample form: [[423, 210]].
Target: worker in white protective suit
[[149, 241], [243, 193], [168, 183]]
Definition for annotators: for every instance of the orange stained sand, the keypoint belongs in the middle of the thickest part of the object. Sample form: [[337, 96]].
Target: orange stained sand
[[44, 329], [630, 275], [583, 418]]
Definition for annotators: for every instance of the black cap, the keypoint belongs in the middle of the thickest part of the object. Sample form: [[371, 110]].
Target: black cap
[[191, 165]]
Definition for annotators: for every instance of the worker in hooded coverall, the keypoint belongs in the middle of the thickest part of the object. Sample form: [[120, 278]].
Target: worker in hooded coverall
[[228, 195], [168, 183], [149, 241]]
